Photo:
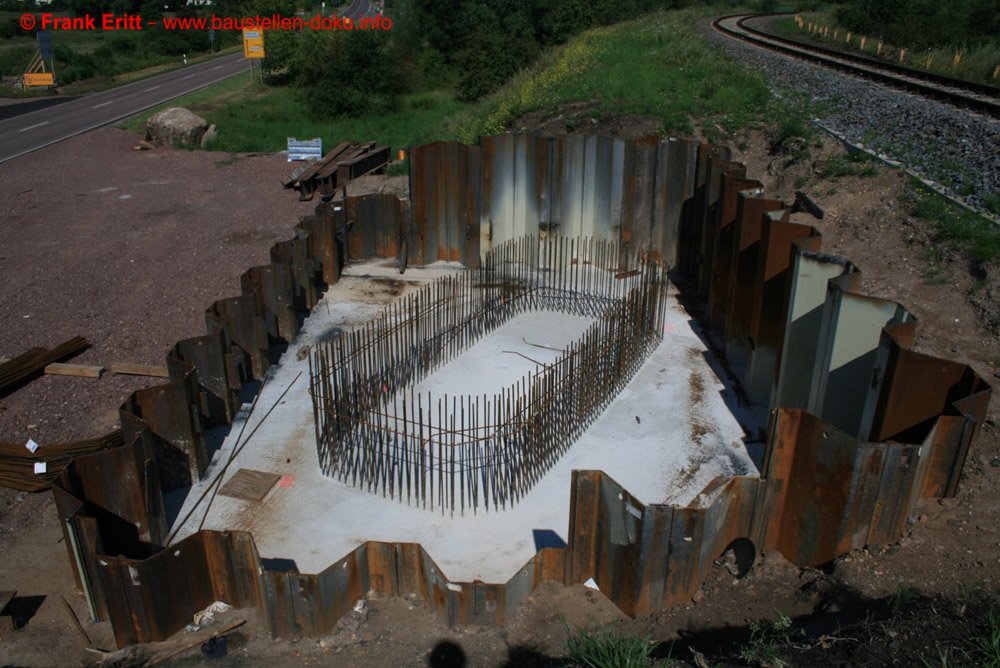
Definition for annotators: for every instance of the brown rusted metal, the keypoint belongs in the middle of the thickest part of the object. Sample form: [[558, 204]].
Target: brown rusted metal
[[34, 361], [373, 435], [17, 463], [347, 161], [824, 488]]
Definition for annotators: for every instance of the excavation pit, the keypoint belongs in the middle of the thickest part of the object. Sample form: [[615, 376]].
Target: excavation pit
[[664, 435]]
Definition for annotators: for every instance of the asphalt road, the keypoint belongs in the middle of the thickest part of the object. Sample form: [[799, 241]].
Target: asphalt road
[[359, 9], [31, 131]]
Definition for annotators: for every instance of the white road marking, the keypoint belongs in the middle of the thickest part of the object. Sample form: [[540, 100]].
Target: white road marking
[[32, 127], [102, 104], [189, 76], [149, 89]]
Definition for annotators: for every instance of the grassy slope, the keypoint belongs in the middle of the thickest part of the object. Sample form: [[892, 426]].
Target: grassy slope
[[980, 64], [654, 67]]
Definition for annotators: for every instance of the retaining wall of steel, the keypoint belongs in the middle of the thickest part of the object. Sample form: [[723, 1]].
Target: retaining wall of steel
[[861, 426]]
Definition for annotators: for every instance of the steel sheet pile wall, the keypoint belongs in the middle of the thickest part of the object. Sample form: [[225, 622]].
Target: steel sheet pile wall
[[482, 452], [861, 425]]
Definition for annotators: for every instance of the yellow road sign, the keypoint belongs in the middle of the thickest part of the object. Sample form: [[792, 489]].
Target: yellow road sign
[[253, 43], [39, 79]]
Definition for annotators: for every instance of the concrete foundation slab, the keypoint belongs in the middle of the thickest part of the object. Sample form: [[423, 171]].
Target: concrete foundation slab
[[664, 438]]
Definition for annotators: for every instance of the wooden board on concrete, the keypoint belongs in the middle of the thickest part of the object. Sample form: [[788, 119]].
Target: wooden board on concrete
[[250, 485]]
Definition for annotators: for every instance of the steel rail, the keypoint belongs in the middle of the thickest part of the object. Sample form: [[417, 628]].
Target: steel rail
[[962, 94]]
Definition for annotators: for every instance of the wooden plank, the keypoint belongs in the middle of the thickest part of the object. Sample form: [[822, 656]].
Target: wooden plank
[[66, 369], [169, 648], [141, 370], [250, 485], [80, 370]]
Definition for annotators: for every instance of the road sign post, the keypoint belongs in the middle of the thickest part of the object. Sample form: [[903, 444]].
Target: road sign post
[[253, 48]]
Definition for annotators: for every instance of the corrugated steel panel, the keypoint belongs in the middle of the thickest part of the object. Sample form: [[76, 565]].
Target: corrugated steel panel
[[743, 292], [772, 288], [219, 400], [710, 222], [726, 246], [270, 287], [822, 491], [810, 272], [174, 420], [853, 325], [676, 171], [235, 318]]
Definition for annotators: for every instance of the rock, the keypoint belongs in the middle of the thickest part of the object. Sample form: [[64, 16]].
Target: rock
[[954, 349], [995, 462], [699, 596], [351, 622], [175, 127], [211, 134]]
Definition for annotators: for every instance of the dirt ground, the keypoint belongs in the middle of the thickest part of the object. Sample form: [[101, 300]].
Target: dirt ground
[[128, 248]]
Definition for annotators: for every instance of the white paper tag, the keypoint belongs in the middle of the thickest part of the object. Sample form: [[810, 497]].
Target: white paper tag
[[41, 467], [31, 445]]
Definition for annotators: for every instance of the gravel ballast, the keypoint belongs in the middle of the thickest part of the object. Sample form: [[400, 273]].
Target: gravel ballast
[[958, 149]]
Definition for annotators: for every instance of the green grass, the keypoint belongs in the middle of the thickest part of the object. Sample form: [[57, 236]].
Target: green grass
[[767, 638], [850, 164], [980, 649], [977, 64], [901, 598], [606, 647], [681, 80], [957, 226], [255, 118], [984, 645]]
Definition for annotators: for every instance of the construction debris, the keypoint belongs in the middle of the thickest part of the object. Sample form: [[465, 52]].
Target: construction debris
[[141, 370], [64, 369], [33, 470], [35, 360], [347, 161]]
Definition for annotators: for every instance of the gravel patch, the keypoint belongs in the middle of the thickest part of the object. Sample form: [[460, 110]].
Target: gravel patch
[[958, 149], [126, 248]]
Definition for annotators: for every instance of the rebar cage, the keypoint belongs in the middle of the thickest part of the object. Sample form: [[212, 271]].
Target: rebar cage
[[459, 453]]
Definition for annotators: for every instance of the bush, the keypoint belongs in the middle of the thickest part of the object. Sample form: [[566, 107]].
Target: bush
[[493, 58], [349, 74]]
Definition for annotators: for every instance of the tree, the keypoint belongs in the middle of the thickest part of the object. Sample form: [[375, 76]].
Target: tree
[[353, 73]]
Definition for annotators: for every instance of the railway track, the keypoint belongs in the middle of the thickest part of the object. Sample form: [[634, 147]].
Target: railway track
[[962, 94]]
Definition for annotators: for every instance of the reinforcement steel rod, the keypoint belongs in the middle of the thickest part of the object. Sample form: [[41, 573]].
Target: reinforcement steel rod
[[488, 450]]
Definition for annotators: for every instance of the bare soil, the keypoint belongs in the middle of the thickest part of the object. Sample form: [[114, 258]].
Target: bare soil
[[128, 248]]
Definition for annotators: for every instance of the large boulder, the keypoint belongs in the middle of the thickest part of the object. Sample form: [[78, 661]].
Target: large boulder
[[176, 127]]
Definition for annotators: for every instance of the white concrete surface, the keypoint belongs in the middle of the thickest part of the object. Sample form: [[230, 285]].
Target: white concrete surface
[[664, 439]]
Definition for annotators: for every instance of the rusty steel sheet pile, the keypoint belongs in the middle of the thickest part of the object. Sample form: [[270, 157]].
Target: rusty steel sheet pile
[[375, 434], [861, 426], [347, 161]]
